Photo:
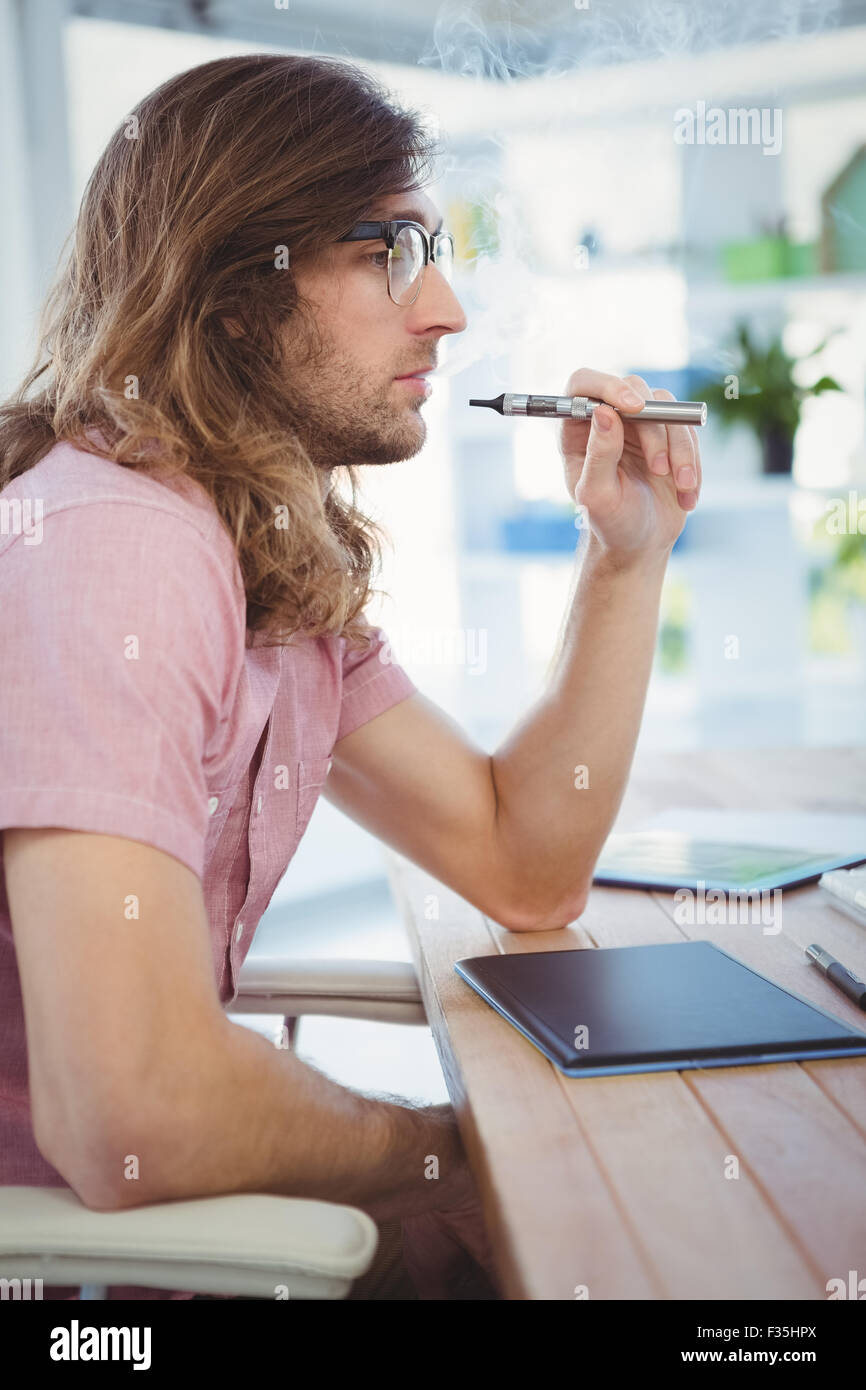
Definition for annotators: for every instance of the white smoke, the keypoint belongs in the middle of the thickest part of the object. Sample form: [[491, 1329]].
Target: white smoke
[[529, 66]]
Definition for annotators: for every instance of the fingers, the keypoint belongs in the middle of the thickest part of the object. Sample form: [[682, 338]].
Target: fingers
[[668, 449], [603, 453], [696, 449], [683, 454], [680, 450], [652, 436], [603, 386], [679, 456], [629, 394], [687, 497]]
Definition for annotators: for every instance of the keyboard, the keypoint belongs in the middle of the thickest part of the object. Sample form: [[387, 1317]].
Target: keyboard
[[846, 889]]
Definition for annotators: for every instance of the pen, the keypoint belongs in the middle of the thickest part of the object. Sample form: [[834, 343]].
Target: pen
[[837, 973], [582, 407]]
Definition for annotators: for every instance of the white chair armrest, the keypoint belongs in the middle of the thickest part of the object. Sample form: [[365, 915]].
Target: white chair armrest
[[251, 1244], [387, 991]]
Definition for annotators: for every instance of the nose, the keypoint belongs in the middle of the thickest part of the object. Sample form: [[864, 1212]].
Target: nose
[[437, 306]]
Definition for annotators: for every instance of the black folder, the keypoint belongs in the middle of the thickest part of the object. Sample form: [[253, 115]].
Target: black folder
[[671, 1007]]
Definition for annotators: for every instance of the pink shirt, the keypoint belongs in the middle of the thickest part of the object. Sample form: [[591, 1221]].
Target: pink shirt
[[131, 706]]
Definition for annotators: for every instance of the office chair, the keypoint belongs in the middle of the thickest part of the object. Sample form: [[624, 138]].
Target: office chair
[[254, 1245]]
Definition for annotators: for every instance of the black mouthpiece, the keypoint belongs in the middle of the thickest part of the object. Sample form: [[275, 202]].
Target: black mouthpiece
[[495, 404]]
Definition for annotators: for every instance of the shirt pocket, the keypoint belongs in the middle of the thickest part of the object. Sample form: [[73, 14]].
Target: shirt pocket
[[312, 774]]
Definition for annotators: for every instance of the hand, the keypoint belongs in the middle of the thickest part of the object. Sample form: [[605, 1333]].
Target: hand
[[446, 1249], [637, 481], [447, 1252]]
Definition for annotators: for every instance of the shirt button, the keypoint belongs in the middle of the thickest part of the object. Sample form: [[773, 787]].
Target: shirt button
[[213, 803], [239, 931], [259, 804]]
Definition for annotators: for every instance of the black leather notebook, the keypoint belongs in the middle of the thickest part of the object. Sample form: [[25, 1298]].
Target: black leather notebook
[[603, 1012]]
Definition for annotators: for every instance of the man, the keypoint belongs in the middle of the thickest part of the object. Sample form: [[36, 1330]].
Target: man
[[159, 762]]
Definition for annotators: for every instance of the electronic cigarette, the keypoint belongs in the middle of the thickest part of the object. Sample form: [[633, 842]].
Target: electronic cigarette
[[582, 407]]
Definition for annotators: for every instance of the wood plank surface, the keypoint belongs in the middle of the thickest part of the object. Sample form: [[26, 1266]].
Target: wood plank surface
[[622, 1187], [516, 1124]]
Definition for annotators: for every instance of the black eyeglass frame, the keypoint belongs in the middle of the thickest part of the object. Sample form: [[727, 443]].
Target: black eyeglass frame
[[387, 232]]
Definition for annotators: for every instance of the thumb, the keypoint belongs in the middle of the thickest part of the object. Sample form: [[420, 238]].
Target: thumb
[[603, 449]]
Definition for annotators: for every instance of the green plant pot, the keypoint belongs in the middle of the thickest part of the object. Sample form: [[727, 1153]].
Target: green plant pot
[[803, 258], [777, 452], [765, 258]]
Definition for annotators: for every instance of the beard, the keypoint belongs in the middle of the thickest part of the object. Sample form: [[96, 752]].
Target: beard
[[344, 413]]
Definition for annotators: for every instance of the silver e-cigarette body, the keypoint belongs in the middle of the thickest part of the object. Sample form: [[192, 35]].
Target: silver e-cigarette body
[[582, 407]]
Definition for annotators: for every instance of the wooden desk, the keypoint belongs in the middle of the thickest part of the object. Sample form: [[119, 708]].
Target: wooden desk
[[618, 1183]]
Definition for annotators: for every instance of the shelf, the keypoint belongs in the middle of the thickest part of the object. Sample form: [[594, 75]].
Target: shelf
[[707, 287], [756, 291]]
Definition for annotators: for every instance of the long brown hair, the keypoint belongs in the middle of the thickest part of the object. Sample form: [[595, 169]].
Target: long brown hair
[[180, 231]]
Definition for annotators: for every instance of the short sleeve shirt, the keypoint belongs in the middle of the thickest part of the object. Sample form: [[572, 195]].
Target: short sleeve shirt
[[132, 705]]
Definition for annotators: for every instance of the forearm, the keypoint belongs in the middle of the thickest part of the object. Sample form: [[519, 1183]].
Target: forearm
[[561, 773], [249, 1117]]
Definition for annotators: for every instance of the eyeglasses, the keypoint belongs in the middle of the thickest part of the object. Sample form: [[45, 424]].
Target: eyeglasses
[[410, 247]]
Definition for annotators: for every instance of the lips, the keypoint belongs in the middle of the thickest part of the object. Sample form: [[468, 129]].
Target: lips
[[422, 371]]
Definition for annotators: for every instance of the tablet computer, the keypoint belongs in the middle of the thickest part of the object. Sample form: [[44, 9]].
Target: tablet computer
[[671, 1007], [671, 859]]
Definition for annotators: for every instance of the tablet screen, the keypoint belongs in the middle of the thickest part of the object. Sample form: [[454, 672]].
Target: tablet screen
[[670, 859]]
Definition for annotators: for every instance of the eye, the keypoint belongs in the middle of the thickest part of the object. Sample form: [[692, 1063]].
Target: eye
[[379, 259]]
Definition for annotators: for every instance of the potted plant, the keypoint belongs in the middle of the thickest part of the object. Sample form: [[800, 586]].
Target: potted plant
[[761, 392]]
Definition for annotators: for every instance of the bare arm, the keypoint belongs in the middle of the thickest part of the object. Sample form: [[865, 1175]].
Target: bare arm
[[512, 833], [561, 773], [131, 1056], [517, 833]]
